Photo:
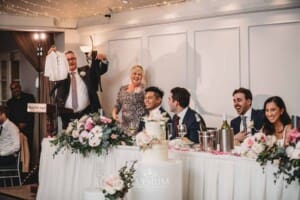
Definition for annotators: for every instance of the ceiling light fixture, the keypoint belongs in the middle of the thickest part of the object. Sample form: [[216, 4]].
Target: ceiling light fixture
[[125, 1]]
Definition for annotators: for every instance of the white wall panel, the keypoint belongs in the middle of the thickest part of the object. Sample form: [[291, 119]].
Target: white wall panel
[[274, 63], [167, 62], [123, 54], [217, 71]]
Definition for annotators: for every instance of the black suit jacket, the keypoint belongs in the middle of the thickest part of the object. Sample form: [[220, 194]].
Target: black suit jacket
[[91, 77], [256, 115], [194, 122], [142, 123]]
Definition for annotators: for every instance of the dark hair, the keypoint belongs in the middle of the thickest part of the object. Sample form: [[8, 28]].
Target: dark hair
[[3, 109], [284, 118], [181, 95], [246, 92], [157, 92]]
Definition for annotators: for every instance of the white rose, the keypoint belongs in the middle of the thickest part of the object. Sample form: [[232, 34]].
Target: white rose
[[97, 131], [271, 140], [251, 154], [83, 137], [75, 133], [82, 73], [83, 118], [69, 128], [118, 184], [298, 145], [258, 148], [296, 154], [94, 141], [289, 151]]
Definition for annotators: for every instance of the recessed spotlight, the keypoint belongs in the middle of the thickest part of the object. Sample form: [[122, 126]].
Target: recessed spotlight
[[125, 1]]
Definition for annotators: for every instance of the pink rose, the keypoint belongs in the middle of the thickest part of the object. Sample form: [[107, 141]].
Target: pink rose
[[114, 136], [294, 136], [89, 124], [105, 120], [249, 142]]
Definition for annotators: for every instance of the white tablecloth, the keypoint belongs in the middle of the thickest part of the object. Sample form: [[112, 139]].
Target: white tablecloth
[[205, 176]]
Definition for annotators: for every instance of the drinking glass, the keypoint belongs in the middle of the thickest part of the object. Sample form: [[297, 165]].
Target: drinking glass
[[181, 130], [169, 130], [132, 128]]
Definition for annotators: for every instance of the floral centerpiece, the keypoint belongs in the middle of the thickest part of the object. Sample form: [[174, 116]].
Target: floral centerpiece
[[116, 186], [145, 140], [91, 133]]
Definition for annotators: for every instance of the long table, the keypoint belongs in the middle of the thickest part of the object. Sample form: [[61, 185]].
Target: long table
[[205, 176]]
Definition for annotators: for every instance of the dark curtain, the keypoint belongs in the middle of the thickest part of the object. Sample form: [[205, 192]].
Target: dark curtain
[[28, 47]]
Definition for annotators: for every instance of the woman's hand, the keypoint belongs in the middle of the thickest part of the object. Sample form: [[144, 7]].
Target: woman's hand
[[115, 116]]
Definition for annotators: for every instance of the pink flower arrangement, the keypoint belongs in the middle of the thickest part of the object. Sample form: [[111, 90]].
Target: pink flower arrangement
[[91, 133], [116, 186], [254, 145], [145, 141]]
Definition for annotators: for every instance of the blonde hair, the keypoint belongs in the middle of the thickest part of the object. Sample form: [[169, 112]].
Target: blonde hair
[[134, 67]]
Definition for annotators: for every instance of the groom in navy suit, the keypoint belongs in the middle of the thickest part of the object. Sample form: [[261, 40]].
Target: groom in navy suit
[[78, 92], [249, 120], [179, 101]]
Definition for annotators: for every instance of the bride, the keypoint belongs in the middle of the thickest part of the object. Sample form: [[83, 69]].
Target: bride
[[277, 121]]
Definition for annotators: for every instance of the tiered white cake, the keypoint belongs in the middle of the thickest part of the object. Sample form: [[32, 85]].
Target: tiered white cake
[[157, 177], [158, 152]]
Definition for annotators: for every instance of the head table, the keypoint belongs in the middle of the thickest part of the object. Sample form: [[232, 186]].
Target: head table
[[205, 176]]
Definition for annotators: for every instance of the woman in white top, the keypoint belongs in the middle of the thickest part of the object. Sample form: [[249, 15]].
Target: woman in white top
[[277, 121]]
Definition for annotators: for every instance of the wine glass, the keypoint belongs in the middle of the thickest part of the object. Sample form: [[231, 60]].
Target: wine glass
[[132, 128], [182, 130], [169, 130]]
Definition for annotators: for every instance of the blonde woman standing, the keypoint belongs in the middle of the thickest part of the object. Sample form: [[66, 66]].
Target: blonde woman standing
[[130, 102]]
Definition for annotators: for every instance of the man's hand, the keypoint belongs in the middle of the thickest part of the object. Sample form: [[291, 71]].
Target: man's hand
[[240, 137], [101, 57]]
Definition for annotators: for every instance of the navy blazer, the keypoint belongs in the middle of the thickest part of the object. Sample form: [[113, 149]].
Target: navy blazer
[[256, 115], [91, 77], [142, 123], [193, 121]]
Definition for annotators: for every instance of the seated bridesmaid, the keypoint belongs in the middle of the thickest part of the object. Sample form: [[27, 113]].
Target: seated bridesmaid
[[277, 121]]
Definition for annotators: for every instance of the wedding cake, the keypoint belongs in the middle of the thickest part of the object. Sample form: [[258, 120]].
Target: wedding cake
[[158, 146], [156, 175]]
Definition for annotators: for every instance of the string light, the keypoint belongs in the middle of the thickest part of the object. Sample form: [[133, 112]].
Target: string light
[[75, 9]]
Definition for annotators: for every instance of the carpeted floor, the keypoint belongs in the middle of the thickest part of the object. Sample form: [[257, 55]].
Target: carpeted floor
[[25, 192]]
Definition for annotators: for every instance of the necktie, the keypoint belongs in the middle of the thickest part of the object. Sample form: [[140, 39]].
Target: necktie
[[74, 91], [244, 123], [1, 127], [176, 122]]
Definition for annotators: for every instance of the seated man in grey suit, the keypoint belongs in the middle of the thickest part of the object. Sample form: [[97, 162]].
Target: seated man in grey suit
[[249, 120], [152, 100], [179, 101]]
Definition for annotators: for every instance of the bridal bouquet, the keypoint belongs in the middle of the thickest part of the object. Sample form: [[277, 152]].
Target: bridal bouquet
[[287, 158], [91, 133], [116, 186], [256, 144]]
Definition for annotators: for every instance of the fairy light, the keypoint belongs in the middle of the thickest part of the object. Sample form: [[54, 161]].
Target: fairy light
[[75, 9]]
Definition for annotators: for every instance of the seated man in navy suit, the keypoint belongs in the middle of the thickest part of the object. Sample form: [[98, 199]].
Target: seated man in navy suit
[[179, 101], [152, 100], [249, 120]]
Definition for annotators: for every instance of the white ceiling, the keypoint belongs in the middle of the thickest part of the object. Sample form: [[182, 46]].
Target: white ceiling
[[75, 9]]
